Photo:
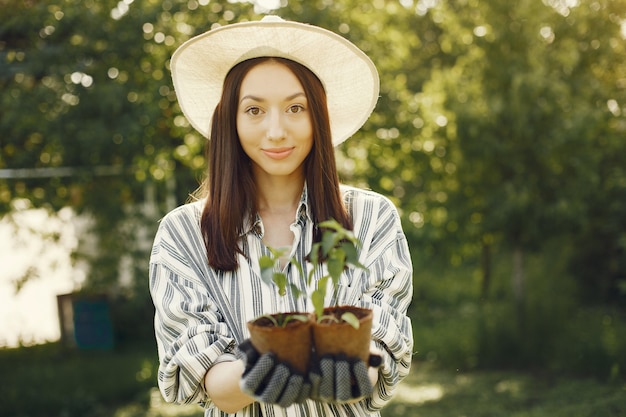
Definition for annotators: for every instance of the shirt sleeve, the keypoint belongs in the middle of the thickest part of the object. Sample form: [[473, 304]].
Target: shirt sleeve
[[190, 330], [387, 288]]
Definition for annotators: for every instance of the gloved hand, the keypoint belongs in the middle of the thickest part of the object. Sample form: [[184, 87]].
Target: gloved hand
[[269, 380], [337, 378]]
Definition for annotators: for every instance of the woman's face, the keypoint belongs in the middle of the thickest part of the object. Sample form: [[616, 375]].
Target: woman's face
[[274, 122]]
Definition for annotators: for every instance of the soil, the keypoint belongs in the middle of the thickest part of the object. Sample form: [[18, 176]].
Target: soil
[[338, 311], [291, 343], [339, 337]]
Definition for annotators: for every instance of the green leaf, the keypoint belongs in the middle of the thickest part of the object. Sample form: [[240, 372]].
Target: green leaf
[[296, 291], [280, 280], [277, 253], [352, 256], [331, 224], [272, 319], [267, 269], [297, 265], [336, 264], [328, 317], [317, 298], [314, 255], [351, 319], [290, 317], [328, 242]]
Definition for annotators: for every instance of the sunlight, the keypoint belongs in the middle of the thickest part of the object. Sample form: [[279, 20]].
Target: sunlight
[[160, 408], [419, 394], [423, 6], [269, 4], [121, 9], [562, 6], [35, 252]]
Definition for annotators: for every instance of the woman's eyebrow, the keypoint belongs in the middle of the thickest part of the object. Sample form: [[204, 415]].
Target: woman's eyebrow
[[259, 99], [298, 94]]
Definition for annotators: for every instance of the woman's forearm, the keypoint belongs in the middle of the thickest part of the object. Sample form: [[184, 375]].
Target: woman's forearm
[[222, 386]]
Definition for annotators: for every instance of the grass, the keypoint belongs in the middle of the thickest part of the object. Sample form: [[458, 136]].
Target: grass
[[431, 392], [464, 343], [48, 381]]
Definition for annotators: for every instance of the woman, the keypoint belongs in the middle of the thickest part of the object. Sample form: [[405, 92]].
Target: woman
[[277, 96]]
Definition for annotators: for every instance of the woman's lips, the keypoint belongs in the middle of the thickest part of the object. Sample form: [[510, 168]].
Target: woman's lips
[[278, 153]]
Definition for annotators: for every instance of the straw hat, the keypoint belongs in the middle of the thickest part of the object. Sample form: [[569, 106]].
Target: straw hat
[[350, 79]]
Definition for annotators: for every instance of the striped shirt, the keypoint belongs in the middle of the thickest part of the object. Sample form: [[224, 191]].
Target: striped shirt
[[202, 312]]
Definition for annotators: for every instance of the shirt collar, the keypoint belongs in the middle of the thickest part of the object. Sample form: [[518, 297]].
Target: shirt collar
[[303, 214], [304, 209]]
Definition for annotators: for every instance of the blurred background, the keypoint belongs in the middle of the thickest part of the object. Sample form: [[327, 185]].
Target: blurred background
[[500, 134]]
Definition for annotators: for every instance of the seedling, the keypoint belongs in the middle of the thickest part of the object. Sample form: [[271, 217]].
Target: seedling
[[337, 250]]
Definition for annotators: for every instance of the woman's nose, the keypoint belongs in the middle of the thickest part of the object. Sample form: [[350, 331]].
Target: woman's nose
[[275, 128]]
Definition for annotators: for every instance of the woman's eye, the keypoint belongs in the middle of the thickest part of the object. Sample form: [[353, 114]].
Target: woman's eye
[[296, 108], [253, 111]]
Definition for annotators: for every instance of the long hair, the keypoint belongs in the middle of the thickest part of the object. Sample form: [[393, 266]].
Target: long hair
[[230, 188]]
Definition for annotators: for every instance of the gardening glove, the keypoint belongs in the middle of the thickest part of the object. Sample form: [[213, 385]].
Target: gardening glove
[[268, 380], [338, 378]]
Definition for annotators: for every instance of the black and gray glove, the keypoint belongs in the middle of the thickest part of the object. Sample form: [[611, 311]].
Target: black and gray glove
[[338, 378], [269, 380]]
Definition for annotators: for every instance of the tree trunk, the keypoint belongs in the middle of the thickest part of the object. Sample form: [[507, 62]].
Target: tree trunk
[[519, 284], [486, 269], [170, 199]]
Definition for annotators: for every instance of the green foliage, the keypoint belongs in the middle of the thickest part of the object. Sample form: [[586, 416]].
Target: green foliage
[[337, 250], [269, 273], [456, 326], [90, 119], [49, 380], [500, 127], [122, 384], [347, 317], [428, 391], [497, 124], [132, 317], [283, 319]]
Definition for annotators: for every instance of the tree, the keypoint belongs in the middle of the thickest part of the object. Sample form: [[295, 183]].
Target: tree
[[498, 123], [89, 117], [520, 117]]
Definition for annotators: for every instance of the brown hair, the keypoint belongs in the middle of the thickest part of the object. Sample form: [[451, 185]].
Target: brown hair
[[230, 187]]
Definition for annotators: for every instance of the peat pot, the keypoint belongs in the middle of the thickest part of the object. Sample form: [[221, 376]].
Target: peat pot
[[291, 343], [335, 336]]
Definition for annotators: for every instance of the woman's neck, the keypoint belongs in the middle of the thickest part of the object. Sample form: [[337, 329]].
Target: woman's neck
[[278, 196], [278, 202]]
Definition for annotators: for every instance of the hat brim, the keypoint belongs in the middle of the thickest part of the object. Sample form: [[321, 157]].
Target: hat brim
[[350, 78]]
